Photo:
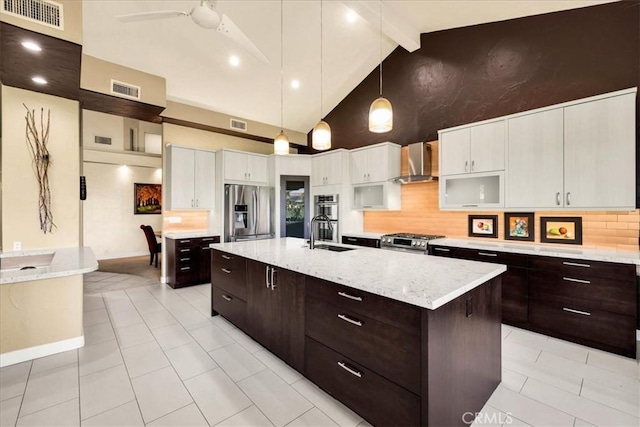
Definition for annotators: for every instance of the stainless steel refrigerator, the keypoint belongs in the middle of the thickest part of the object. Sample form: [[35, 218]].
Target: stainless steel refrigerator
[[248, 212]]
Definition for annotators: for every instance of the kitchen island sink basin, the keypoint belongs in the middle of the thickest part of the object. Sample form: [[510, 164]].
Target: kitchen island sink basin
[[333, 248]]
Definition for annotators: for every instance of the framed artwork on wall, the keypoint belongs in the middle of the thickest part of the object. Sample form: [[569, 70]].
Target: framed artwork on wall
[[483, 226], [519, 226], [566, 230], [147, 199]]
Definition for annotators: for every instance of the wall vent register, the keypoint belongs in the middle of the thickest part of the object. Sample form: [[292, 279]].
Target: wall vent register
[[236, 124], [125, 89], [41, 11]]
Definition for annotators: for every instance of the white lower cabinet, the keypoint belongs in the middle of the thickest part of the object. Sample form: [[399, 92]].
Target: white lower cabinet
[[190, 178]]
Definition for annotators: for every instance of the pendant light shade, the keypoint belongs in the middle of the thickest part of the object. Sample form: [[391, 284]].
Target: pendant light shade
[[281, 144], [321, 136], [380, 116], [281, 141], [380, 112]]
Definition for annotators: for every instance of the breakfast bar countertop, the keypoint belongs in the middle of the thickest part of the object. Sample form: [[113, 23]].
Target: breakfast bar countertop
[[424, 281], [64, 262]]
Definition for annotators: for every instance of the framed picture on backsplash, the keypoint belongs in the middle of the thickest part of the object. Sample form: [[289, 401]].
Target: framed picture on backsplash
[[483, 226], [519, 226], [564, 229]]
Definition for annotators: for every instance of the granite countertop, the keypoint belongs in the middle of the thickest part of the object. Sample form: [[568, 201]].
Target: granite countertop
[[576, 252], [366, 235], [63, 262], [188, 235], [424, 281]]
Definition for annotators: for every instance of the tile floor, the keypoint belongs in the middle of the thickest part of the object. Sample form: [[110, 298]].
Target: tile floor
[[153, 356]]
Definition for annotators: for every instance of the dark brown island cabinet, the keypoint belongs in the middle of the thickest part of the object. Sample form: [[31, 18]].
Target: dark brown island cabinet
[[391, 362], [593, 303], [188, 260]]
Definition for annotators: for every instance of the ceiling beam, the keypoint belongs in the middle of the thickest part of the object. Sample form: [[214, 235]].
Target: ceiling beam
[[394, 25]]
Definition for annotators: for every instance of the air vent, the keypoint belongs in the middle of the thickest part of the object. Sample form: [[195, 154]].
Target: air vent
[[238, 125], [102, 140], [41, 11], [125, 89]]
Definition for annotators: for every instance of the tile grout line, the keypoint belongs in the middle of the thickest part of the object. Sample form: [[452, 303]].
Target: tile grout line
[[24, 392], [44, 409]]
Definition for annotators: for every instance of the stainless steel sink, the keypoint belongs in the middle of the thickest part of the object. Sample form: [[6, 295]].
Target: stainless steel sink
[[333, 248]]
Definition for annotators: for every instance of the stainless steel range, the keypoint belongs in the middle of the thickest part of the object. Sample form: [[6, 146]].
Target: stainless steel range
[[407, 241]]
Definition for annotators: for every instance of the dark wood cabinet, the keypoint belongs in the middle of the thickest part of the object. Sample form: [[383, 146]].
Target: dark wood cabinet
[[275, 310], [229, 287], [188, 260]]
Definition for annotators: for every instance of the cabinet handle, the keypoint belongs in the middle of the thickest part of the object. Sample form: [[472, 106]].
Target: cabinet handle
[[350, 370], [442, 249], [191, 202], [466, 166], [568, 198], [273, 278], [196, 203], [226, 297], [185, 259], [569, 279], [570, 310], [487, 254], [350, 320], [266, 277], [225, 256], [184, 241], [185, 250], [204, 248], [185, 268], [576, 264], [350, 239], [226, 270], [353, 297], [473, 164], [207, 239], [558, 198], [469, 206]]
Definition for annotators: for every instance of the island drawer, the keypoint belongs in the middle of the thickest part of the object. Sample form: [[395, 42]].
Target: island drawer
[[595, 293], [584, 268], [486, 255], [607, 331], [229, 306], [387, 350], [444, 251], [395, 313], [362, 390], [185, 243], [229, 274]]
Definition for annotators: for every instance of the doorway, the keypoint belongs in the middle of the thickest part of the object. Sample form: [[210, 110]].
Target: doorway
[[294, 208]]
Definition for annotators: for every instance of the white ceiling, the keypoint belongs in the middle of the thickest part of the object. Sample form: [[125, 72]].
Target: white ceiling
[[195, 61]]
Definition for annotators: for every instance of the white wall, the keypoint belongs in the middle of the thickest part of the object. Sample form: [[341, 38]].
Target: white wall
[[101, 124], [110, 227]]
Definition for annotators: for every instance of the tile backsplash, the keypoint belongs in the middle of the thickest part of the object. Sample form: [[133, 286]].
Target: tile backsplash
[[614, 230]]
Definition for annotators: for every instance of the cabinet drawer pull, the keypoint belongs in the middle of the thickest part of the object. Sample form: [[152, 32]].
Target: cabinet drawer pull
[[576, 264], [570, 310], [205, 248], [442, 249], [473, 165], [351, 239], [185, 268], [350, 370], [185, 250], [469, 206], [487, 254], [184, 241], [558, 198], [225, 256], [466, 165], [569, 199], [185, 259], [226, 297], [226, 270], [207, 239], [350, 320], [569, 279], [353, 297]]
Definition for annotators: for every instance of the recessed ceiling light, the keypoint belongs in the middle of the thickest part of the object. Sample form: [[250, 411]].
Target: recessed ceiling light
[[351, 16], [234, 60], [31, 46], [39, 80], [295, 84]]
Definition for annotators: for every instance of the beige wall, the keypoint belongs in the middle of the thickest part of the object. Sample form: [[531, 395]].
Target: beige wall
[[101, 124], [40, 312], [20, 220], [96, 75], [193, 114], [72, 16]]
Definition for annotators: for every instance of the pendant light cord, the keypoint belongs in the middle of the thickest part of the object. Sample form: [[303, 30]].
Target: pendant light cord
[[281, 66], [321, 33], [380, 48]]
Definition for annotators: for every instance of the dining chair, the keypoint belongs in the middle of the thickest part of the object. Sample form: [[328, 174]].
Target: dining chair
[[154, 247]]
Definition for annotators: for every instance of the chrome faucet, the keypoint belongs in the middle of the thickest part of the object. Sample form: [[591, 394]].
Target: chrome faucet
[[321, 217]]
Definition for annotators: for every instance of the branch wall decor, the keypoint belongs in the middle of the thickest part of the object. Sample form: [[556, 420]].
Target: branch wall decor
[[37, 143]]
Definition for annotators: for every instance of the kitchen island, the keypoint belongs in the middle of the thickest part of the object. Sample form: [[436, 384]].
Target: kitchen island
[[402, 339]]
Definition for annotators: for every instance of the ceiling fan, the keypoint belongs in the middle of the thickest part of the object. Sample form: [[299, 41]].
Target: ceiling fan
[[205, 16]]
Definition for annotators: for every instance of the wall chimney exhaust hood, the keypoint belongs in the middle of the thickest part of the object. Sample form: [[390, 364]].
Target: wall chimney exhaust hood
[[419, 165]]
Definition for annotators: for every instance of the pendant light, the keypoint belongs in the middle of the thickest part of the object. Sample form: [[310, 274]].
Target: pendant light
[[321, 135], [380, 112], [281, 141]]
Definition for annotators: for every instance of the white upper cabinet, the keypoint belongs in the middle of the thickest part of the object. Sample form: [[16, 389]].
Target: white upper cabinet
[[190, 178], [375, 163], [245, 167], [599, 153], [535, 177], [473, 149], [326, 168]]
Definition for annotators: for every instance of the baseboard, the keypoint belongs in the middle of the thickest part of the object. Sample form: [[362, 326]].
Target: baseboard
[[163, 279], [30, 353], [122, 255], [637, 335]]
